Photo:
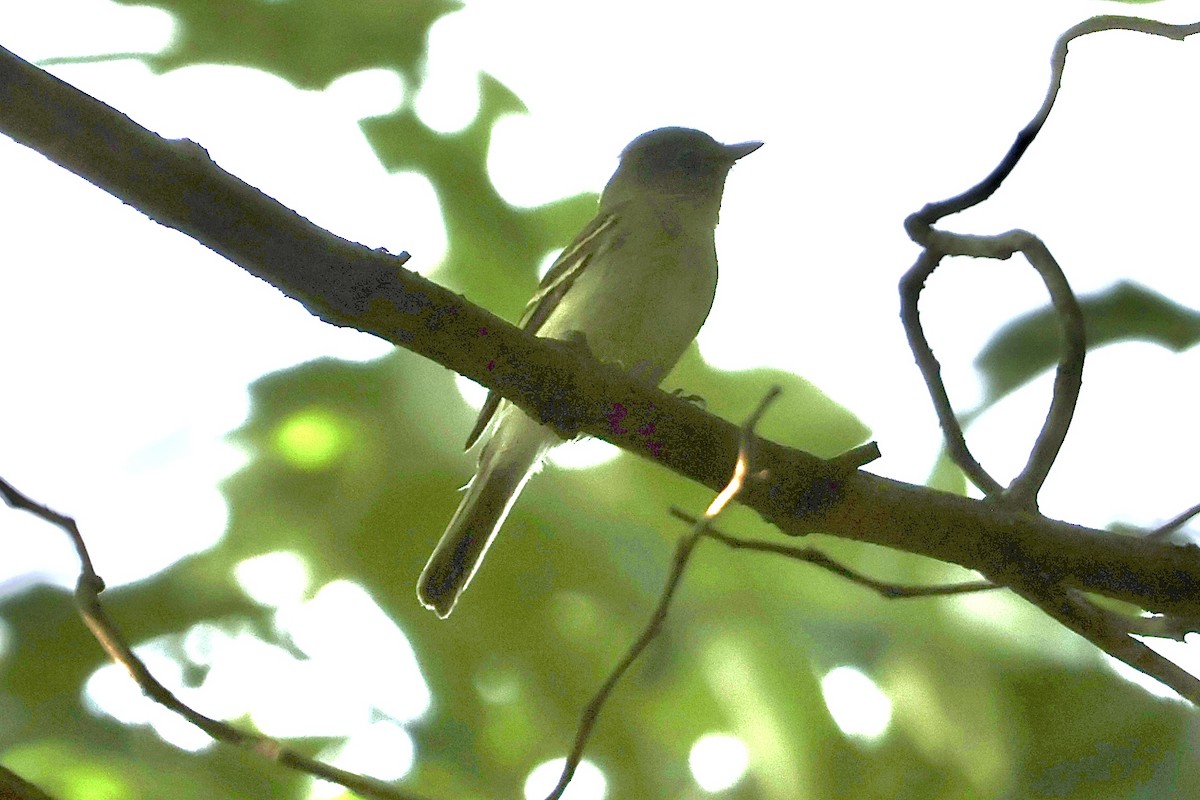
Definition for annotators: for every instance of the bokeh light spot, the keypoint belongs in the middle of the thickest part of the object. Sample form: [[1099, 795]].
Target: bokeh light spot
[[312, 439], [858, 706], [718, 761]]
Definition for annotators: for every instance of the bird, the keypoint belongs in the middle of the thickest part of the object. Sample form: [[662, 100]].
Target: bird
[[636, 285]]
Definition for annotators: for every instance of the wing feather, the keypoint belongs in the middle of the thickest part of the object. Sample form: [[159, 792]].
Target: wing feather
[[558, 281]]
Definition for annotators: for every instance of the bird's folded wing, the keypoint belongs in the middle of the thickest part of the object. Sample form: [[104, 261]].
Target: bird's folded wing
[[561, 275]]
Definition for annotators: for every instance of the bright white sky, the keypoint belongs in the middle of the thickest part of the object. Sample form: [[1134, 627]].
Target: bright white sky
[[129, 347]]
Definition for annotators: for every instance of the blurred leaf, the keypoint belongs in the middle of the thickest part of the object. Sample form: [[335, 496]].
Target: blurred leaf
[[566, 578], [802, 416], [494, 248], [115, 762], [310, 43], [1031, 343]]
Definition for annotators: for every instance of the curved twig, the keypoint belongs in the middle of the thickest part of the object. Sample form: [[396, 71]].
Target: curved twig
[[1023, 490], [918, 224], [87, 600], [1110, 632], [931, 370], [811, 555], [683, 552]]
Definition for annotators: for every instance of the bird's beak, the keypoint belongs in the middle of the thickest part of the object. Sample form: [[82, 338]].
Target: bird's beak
[[740, 150]]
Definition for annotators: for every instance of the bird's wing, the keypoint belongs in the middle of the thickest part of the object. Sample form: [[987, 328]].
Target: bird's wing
[[561, 275]]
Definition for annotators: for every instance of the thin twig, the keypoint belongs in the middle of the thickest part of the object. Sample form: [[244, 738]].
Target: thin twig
[[910, 317], [1074, 611], [919, 223], [1068, 378], [87, 600], [1023, 491], [811, 555], [1108, 631], [683, 552], [1167, 528]]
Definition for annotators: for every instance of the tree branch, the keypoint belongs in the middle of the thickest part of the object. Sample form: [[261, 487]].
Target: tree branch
[[108, 634], [349, 285]]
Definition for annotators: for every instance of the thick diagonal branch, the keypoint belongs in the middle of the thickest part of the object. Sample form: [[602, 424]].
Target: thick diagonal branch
[[346, 284]]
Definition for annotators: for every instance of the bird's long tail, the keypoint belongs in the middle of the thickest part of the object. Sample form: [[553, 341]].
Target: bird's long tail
[[508, 459]]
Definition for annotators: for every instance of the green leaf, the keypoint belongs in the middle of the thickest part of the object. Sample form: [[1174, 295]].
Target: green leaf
[[310, 43], [494, 248], [1031, 343]]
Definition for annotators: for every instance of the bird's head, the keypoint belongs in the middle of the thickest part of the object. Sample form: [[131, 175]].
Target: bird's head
[[676, 163]]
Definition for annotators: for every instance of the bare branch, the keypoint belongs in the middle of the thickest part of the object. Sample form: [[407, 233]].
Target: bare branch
[[919, 223], [1169, 527], [811, 555], [1022, 492], [1053, 595], [1110, 634], [683, 553], [911, 286], [87, 600]]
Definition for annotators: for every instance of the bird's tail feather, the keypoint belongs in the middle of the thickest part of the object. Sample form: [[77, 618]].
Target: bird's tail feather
[[508, 459]]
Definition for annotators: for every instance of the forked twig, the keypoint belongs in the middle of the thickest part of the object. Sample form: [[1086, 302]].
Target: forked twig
[[1022, 492], [1110, 632]]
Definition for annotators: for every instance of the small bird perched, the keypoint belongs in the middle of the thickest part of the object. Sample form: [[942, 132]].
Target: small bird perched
[[637, 282]]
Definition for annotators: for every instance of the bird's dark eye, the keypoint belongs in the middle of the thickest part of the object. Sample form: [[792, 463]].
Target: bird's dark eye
[[689, 160]]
